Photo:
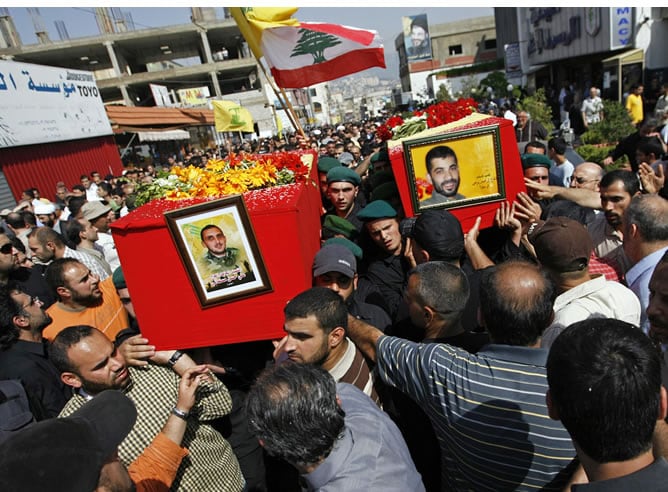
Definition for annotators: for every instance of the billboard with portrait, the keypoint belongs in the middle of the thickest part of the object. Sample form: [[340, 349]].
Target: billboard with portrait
[[416, 37]]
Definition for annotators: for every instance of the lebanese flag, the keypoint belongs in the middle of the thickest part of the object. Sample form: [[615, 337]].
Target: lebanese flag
[[314, 52]]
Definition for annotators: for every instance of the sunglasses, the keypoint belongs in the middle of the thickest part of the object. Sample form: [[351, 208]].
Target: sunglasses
[[7, 248]]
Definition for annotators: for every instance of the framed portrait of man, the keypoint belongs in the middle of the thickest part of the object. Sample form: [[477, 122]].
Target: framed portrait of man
[[455, 169], [217, 246]]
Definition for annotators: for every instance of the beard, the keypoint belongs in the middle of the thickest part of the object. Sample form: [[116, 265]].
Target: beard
[[89, 300]]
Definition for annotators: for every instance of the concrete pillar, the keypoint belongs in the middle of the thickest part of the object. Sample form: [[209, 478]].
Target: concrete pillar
[[117, 70], [206, 47], [216, 85]]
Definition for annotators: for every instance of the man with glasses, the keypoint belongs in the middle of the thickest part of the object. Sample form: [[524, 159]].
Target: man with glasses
[[587, 176], [23, 352], [29, 280]]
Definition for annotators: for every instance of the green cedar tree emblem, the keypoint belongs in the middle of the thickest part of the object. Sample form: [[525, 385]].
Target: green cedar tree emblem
[[314, 43]]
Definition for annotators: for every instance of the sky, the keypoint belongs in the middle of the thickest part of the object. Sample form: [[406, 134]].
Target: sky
[[80, 21]]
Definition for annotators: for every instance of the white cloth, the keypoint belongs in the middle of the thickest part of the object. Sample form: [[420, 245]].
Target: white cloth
[[596, 298], [91, 193], [106, 242], [592, 109]]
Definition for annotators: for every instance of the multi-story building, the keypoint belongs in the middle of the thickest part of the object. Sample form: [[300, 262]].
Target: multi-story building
[[609, 47]]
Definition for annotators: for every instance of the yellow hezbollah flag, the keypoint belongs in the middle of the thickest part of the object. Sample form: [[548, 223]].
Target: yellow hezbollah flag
[[231, 117], [253, 20]]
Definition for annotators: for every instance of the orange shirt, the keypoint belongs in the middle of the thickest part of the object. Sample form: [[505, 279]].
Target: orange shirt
[[110, 317], [154, 470]]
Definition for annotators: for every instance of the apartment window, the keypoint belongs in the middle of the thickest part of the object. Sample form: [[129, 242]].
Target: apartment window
[[455, 49], [313, 92], [490, 44]]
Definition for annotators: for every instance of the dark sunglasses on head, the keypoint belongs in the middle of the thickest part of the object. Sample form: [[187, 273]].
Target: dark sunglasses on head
[[7, 248]]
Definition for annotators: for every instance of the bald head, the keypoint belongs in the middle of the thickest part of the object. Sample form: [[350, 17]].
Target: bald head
[[588, 176], [516, 303]]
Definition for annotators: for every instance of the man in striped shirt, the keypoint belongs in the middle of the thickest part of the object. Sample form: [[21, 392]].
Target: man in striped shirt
[[488, 410]]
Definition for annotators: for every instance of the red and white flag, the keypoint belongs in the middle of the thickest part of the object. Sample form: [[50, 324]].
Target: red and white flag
[[314, 52]]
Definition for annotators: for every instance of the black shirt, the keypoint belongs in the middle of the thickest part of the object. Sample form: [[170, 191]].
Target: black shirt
[[28, 362]]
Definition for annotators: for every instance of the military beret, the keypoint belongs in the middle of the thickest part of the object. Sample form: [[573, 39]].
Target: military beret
[[343, 174], [326, 163], [354, 248], [339, 225], [378, 209], [380, 156], [535, 160], [386, 191]]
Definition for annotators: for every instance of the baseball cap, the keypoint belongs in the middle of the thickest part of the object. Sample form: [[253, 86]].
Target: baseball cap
[[93, 210], [562, 244], [334, 258], [346, 158], [440, 234], [66, 454], [354, 248]]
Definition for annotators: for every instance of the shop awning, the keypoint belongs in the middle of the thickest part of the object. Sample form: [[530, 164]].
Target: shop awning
[[154, 117], [162, 136], [632, 56]]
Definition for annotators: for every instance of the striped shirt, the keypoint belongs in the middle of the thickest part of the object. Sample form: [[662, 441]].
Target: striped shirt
[[488, 411]]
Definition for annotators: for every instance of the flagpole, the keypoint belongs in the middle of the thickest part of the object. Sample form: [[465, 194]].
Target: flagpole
[[287, 104]]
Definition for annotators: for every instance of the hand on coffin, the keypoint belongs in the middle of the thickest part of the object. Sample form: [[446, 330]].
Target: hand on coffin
[[137, 351]]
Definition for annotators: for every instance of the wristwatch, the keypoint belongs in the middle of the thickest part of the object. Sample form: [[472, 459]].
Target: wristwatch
[[180, 413], [175, 357]]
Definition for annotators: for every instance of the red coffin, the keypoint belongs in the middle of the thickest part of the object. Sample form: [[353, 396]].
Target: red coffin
[[286, 222]]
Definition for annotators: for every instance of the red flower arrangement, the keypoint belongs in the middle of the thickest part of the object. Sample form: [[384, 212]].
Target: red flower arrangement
[[435, 115]]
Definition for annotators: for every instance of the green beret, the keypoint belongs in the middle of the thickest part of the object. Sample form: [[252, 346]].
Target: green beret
[[535, 160], [327, 163], [380, 156], [119, 279], [339, 225], [378, 209], [386, 191], [355, 249], [343, 174]]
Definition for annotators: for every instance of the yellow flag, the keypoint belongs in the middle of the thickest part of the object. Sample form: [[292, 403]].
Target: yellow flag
[[253, 20], [231, 117]]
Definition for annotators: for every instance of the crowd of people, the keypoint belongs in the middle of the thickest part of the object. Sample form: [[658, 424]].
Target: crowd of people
[[527, 355]]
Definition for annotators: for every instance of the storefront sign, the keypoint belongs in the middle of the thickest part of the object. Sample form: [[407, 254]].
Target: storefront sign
[[40, 104], [621, 27], [543, 39], [513, 60]]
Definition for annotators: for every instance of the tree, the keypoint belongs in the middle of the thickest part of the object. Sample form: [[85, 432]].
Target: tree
[[443, 94], [314, 43], [538, 108], [497, 81]]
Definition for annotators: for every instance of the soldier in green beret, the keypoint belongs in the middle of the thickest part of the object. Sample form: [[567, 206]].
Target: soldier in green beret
[[342, 188]]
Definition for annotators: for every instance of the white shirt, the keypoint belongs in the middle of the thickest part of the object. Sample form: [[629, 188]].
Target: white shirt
[[596, 298], [106, 242]]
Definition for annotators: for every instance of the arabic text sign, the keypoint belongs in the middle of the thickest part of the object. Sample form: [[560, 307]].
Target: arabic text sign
[[41, 104]]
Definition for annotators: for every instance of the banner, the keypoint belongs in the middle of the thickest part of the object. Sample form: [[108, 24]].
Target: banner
[[40, 104], [416, 37], [304, 55], [196, 96], [231, 117]]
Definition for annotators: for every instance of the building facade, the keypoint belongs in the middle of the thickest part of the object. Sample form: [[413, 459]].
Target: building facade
[[608, 47]]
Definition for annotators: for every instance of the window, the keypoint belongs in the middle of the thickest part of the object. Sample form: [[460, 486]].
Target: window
[[490, 44], [455, 49], [313, 92]]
